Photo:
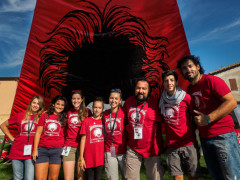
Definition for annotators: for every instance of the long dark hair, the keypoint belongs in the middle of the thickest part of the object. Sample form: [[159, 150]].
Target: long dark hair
[[63, 115], [194, 59]]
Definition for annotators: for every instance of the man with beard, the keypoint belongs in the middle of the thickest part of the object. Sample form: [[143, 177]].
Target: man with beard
[[145, 136], [213, 103]]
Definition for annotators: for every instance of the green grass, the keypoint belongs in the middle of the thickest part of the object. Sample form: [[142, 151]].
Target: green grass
[[6, 170]]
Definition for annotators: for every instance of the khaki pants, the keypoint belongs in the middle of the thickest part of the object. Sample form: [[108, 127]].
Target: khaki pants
[[112, 164], [153, 166]]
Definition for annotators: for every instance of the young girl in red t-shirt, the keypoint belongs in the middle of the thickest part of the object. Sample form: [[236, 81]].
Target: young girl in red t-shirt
[[49, 140], [26, 123], [92, 143], [76, 115]]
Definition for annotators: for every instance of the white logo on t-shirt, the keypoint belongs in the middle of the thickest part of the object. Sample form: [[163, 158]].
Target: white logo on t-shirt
[[24, 128], [96, 134], [141, 115], [74, 120], [117, 126], [52, 127], [172, 114]]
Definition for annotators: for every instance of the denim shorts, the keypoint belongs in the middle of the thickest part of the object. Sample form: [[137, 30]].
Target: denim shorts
[[222, 156], [50, 155]]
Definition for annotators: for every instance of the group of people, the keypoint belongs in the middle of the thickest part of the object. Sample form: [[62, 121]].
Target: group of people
[[123, 137]]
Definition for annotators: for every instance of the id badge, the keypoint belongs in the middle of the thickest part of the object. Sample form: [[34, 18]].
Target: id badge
[[27, 150], [66, 150], [138, 132], [112, 151]]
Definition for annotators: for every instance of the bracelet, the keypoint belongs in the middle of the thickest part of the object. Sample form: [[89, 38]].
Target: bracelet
[[207, 119], [81, 161]]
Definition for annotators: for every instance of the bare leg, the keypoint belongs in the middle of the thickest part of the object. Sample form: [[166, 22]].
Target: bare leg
[[179, 177], [54, 171], [41, 171], [68, 169]]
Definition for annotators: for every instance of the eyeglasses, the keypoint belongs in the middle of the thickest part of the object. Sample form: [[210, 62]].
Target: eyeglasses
[[116, 90]]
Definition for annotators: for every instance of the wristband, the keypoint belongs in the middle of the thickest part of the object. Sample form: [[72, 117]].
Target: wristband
[[207, 119], [81, 161]]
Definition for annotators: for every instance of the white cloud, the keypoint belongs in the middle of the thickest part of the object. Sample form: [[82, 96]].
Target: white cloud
[[13, 60], [224, 33], [17, 5]]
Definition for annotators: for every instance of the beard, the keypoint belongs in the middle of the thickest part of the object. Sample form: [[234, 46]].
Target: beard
[[191, 78], [144, 98]]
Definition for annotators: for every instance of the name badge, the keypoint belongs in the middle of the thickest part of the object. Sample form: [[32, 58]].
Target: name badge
[[66, 150], [138, 133], [27, 150], [112, 151]]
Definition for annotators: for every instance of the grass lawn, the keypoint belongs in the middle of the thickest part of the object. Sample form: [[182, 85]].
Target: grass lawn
[[6, 169]]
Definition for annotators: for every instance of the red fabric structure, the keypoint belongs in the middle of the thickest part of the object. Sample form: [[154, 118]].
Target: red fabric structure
[[99, 45]]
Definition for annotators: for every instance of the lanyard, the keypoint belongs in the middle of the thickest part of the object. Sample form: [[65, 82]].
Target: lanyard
[[137, 112], [30, 128], [112, 129]]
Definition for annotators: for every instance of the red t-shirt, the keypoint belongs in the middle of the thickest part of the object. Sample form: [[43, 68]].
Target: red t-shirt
[[21, 138], [72, 136], [149, 120], [178, 123], [207, 94], [94, 146], [119, 135], [52, 135]]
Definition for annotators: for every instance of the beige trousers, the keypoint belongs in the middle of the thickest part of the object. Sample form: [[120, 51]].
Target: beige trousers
[[153, 166]]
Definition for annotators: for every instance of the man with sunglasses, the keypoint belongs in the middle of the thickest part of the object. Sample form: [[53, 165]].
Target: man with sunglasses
[[182, 153], [145, 136]]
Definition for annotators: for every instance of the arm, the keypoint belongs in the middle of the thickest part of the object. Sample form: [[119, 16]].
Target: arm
[[82, 146], [4, 127], [36, 142], [227, 106]]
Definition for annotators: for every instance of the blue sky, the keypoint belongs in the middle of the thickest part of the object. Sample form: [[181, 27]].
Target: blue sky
[[212, 28]]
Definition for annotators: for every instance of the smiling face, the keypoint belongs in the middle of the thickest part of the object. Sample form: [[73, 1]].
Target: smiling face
[[115, 100], [190, 71], [97, 109], [59, 106], [76, 101], [141, 91], [35, 106], [170, 84]]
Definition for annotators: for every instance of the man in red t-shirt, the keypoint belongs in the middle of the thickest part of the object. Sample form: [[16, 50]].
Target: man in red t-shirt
[[182, 153], [144, 138], [214, 103]]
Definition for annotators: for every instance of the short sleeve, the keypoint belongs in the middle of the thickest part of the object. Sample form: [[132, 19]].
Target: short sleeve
[[83, 128], [219, 87], [13, 120], [42, 119]]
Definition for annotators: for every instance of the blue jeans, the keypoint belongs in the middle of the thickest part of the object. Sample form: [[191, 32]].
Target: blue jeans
[[222, 156], [18, 165]]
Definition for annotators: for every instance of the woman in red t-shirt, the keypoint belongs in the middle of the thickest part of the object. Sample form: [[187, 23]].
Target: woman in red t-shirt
[[49, 140], [21, 149], [115, 137], [76, 115], [92, 143]]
